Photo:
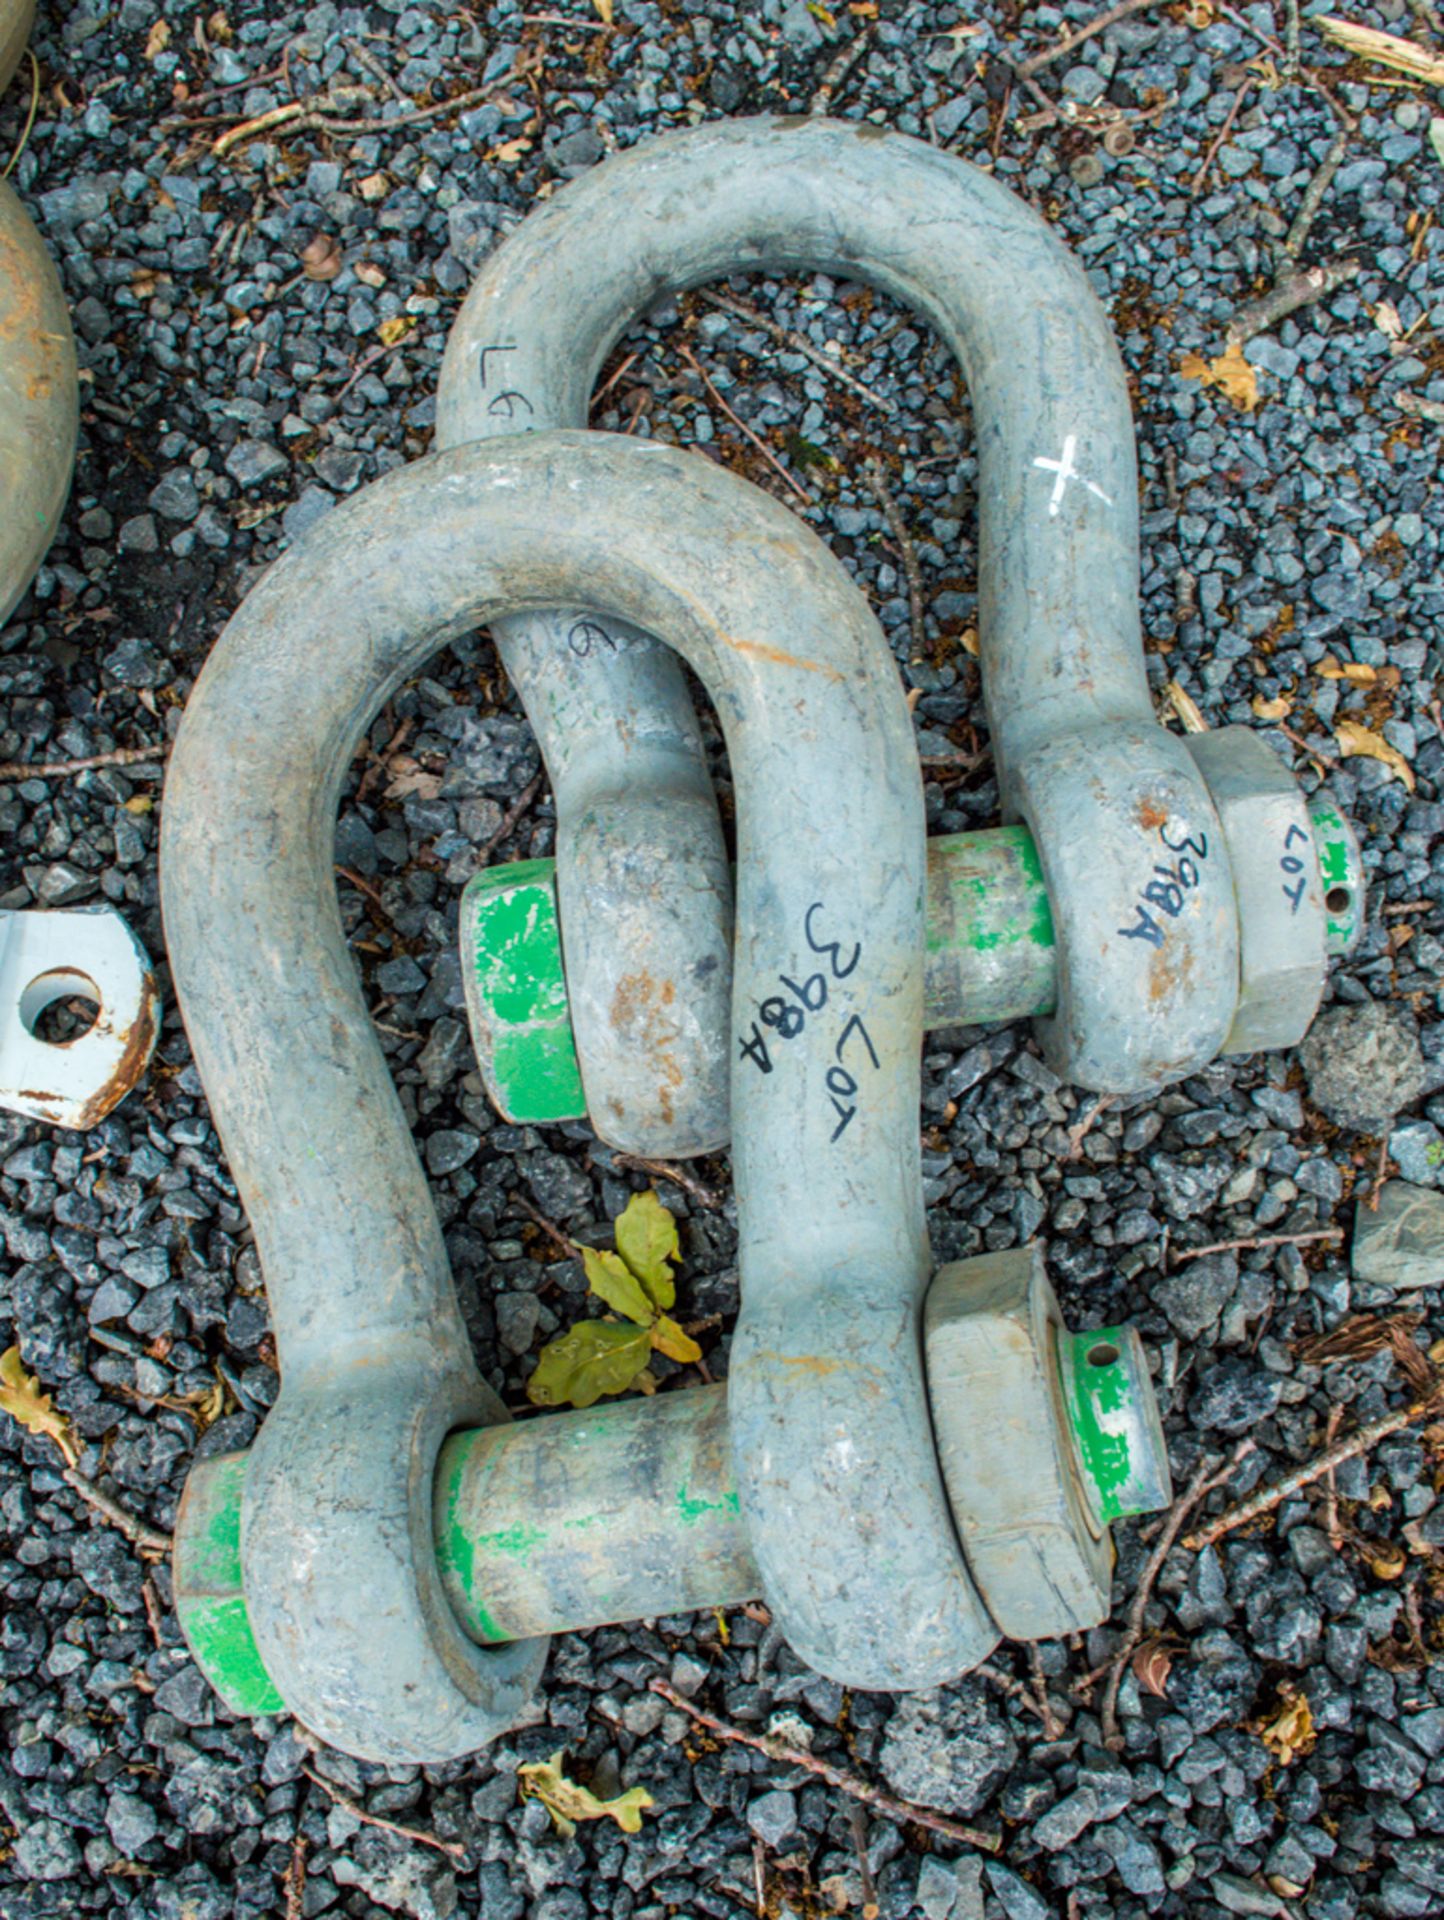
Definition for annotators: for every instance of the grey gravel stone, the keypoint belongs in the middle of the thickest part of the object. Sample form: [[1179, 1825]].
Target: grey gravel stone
[[1363, 1064], [1401, 1244], [947, 1750], [773, 1818], [250, 463]]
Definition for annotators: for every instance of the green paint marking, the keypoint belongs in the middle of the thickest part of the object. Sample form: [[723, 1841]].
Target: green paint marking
[[218, 1633], [456, 1550], [516, 992], [516, 1542], [692, 1508], [209, 1602], [1041, 931], [1100, 1395]]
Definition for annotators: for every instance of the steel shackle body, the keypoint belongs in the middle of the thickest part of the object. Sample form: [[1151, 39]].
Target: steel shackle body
[[1143, 996], [837, 1475]]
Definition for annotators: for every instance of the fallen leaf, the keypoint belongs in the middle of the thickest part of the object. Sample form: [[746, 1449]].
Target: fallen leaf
[[668, 1338], [157, 40], [610, 1279], [139, 803], [1152, 1664], [321, 258], [647, 1241], [21, 1398], [594, 1358], [1436, 139], [1386, 49], [1387, 1561], [1186, 708], [409, 777], [1230, 373], [368, 272], [604, 10], [1290, 1734], [391, 332], [510, 151], [1352, 737], [567, 1803], [1279, 709], [219, 28], [1354, 671], [1385, 317]]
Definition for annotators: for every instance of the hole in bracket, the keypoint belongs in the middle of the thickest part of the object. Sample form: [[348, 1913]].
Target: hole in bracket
[[60, 1006], [1338, 899], [1103, 1355]]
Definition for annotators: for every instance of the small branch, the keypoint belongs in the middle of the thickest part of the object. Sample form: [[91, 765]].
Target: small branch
[[883, 1803], [453, 1848], [1196, 185], [667, 1170], [870, 1906], [149, 1539], [1331, 1486], [802, 492], [838, 71], [509, 820], [294, 1880], [374, 67], [896, 527], [548, 1227], [1076, 39], [1210, 1474], [798, 342], [1298, 290], [1052, 1726], [62, 769], [1182, 1254], [1313, 198], [1420, 408], [1080, 1130], [301, 116], [1323, 1463], [1317, 754]]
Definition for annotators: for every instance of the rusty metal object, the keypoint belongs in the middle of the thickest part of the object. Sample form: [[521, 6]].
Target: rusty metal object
[[90, 957], [39, 400]]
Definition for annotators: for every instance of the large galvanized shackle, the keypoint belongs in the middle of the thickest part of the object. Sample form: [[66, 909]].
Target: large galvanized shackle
[[16, 19], [837, 1475], [1146, 992]]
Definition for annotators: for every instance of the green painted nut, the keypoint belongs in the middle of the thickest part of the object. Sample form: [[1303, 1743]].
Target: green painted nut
[[1033, 1463], [990, 953]]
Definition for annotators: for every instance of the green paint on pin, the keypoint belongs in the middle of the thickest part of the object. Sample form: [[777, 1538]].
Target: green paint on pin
[[516, 992], [692, 1508]]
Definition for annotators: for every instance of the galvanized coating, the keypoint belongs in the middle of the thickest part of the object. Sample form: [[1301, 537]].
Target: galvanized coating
[[39, 404], [1058, 585], [16, 19], [838, 1480]]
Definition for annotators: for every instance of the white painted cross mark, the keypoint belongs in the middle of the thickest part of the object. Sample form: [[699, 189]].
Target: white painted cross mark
[[1066, 471]]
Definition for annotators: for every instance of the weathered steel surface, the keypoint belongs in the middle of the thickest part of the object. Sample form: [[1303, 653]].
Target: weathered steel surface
[[990, 949], [39, 405], [630, 1510], [836, 1473], [16, 19], [90, 954], [1081, 758]]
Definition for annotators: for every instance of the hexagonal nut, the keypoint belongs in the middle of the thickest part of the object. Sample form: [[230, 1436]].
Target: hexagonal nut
[[1269, 837], [1037, 1553]]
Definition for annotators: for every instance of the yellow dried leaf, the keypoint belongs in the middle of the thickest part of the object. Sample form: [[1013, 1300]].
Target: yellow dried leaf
[[1152, 1664], [21, 1398], [604, 10], [157, 40], [591, 1360], [1354, 671], [647, 1241], [510, 151], [1387, 1561], [1290, 1733], [370, 273], [1186, 708], [1279, 709], [1230, 373], [567, 1803], [610, 1279], [391, 332], [968, 639], [1387, 49], [139, 803], [1353, 737], [219, 28], [668, 1338]]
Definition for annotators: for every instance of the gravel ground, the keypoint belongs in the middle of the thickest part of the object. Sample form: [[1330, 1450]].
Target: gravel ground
[[229, 401]]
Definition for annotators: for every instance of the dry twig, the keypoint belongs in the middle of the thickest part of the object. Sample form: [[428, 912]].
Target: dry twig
[[668, 1170], [1313, 198], [896, 526], [1211, 1473], [798, 342], [149, 1539], [1267, 1498], [1052, 1725], [802, 492], [453, 1848], [509, 820], [849, 1783], [294, 1879], [1196, 184], [1076, 39], [310, 116], [1288, 295], [62, 769], [838, 71], [1080, 1129], [870, 1907], [1183, 1254], [1331, 1485]]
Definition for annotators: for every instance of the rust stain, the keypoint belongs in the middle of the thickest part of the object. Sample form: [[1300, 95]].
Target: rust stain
[[639, 1015], [139, 1043], [1151, 815], [759, 650]]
